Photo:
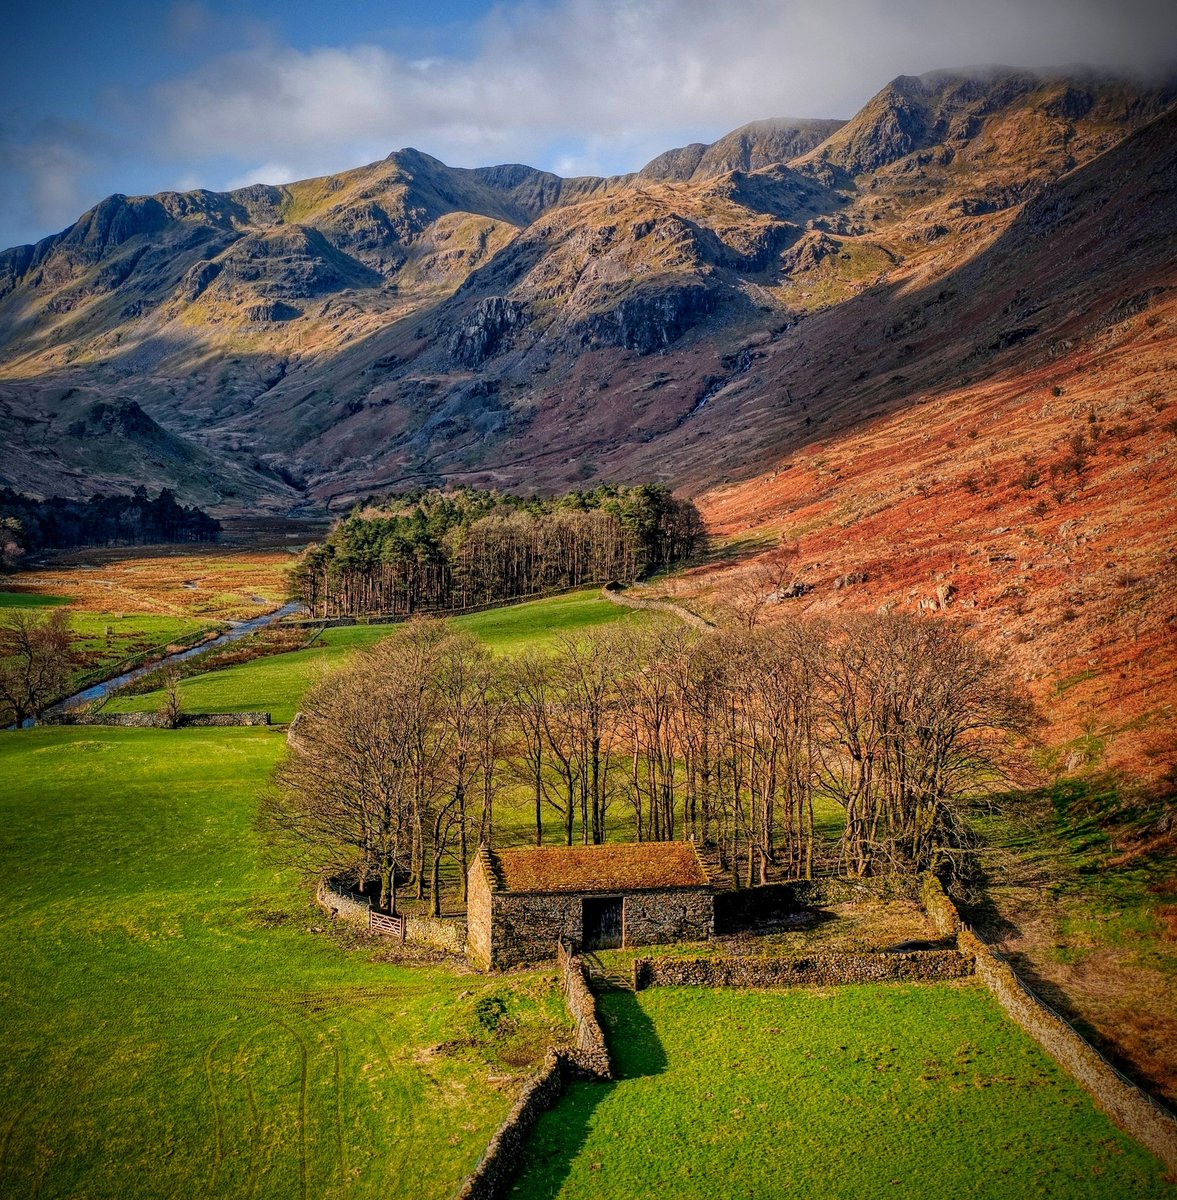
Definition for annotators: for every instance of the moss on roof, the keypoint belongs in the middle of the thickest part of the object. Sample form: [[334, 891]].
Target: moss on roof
[[624, 867]]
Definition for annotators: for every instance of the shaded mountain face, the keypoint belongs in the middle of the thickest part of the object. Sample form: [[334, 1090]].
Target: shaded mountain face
[[410, 322]]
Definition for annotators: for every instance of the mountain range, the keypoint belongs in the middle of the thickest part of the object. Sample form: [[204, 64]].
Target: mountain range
[[295, 347]]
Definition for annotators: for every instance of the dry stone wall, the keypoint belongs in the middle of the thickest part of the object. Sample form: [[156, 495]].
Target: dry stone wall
[[592, 1054], [492, 1177], [1130, 1108], [617, 595], [444, 933], [589, 1059], [796, 970], [344, 906], [151, 720]]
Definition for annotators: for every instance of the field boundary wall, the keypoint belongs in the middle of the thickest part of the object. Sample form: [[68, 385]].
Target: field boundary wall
[[151, 720], [618, 595], [820, 970], [588, 1059], [1131, 1108], [443, 933]]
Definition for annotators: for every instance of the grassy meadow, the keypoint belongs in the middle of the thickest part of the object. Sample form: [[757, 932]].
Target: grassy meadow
[[180, 1020], [124, 602], [176, 1019], [917, 1091], [276, 684]]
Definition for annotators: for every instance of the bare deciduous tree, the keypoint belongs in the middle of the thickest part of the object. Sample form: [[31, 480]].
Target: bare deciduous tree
[[36, 662]]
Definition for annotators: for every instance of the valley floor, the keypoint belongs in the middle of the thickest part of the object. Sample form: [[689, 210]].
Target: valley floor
[[179, 1019]]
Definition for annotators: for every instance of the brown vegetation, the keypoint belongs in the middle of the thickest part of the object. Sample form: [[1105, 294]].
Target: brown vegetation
[[214, 582], [725, 737]]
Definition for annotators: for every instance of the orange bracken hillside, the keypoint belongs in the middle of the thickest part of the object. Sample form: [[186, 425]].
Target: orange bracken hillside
[[1039, 505]]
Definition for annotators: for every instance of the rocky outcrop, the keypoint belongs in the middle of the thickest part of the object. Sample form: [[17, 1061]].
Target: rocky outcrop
[[272, 310], [486, 330], [809, 253], [647, 321]]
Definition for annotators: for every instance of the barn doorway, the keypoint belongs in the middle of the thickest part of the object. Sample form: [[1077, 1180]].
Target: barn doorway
[[602, 923]]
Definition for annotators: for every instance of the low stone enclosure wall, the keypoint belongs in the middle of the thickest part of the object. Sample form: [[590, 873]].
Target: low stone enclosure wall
[[812, 970], [618, 595], [442, 933], [589, 1059], [1132, 1109], [591, 1054], [750, 908], [151, 720]]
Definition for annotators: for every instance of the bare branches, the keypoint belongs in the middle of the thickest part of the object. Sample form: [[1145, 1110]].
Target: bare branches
[[36, 661], [735, 738]]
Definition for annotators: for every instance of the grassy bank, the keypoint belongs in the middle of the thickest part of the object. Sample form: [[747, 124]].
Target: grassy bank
[[172, 1023], [176, 1022], [276, 684], [919, 1091]]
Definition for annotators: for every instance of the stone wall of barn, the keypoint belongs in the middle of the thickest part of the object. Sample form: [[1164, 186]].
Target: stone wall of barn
[[526, 928], [480, 913]]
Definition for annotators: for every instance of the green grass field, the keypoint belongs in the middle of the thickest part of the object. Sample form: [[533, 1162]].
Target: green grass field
[[920, 1092], [171, 1025], [104, 640], [178, 1021], [276, 684], [30, 600]]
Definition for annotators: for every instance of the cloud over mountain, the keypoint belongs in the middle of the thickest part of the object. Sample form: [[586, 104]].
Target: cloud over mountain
[[598, 83]]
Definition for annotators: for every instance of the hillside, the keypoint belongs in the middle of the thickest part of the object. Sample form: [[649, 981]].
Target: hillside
[[297, 346]]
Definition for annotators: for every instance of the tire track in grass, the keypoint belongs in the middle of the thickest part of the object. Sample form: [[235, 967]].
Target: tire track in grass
[[9, 1133], [41, 1156], [218, 1116], [255, 1131], [405, 1117], [302, 1108], [329, 1039]]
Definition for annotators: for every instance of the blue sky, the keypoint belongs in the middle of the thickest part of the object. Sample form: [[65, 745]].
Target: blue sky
[[139, 97]]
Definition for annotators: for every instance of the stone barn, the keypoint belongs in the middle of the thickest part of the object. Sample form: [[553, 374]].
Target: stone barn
[[522, 901]]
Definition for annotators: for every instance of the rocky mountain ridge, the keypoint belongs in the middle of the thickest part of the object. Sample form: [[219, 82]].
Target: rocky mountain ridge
[[409, 322]]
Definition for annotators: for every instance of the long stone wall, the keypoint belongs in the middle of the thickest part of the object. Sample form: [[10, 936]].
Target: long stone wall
[[589, 1059], [1129, 1107], [151, 720], [492, 1177], [592, 1054], [826, 969], [618, 595]]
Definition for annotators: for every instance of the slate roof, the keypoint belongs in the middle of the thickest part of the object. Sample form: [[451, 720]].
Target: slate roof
[[622, 867]]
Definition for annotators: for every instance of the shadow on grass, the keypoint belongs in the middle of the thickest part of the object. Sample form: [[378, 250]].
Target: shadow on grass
[[562, 1133]]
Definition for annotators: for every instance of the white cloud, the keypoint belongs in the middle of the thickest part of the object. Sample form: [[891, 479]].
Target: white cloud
[[265, 173], [621, 76], [583, 85]]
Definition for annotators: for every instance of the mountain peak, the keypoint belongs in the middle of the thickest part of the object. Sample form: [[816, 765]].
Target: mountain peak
[[758, 144]]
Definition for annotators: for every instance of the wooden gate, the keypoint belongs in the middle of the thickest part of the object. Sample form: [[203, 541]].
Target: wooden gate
[[382, 923], [602, 923]]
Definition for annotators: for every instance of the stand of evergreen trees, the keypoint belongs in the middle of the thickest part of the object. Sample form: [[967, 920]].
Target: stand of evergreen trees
[[437, 551], [29, 525]]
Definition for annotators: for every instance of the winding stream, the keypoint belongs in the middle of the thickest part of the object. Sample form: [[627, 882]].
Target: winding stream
[[99, 691]]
